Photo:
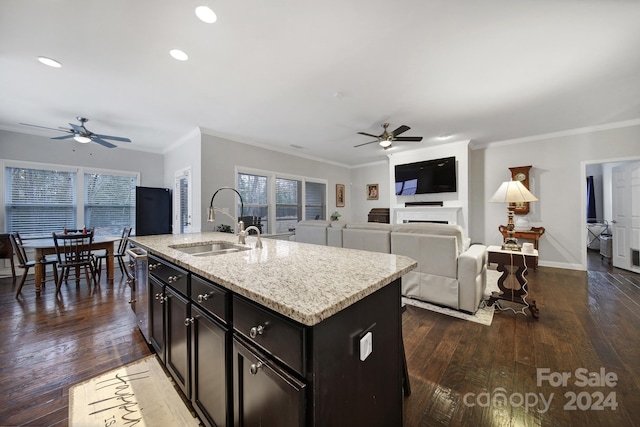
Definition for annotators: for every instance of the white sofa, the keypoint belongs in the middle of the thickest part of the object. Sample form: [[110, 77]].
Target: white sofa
[[450, 271]]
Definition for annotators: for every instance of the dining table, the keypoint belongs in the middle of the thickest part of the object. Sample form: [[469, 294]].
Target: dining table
[[46, 246]]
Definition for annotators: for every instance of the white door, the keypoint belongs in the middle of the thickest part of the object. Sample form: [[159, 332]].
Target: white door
[[625, 181], [182, 203]]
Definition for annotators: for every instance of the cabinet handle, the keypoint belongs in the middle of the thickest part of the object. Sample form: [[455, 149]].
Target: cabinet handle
[[256, 330], [255, 367], [132, 301], [154, 266], [159, 296], [205, 297], [172, 279], [131, 265], [188, 321]]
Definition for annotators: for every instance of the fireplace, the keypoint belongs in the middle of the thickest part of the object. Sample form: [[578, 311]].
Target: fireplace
[[437, 214]]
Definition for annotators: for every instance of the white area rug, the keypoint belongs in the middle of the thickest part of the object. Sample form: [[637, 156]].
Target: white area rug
[[484, 315], [138, 394]]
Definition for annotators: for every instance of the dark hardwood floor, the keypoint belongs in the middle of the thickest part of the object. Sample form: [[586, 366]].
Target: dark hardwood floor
[[587, 320]]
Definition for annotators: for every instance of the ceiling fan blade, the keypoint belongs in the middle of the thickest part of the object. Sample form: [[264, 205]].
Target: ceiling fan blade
[[368, 134], [401, 129], [102, 142], [65, 136], [366, 143], [115, 138], [77, 128], [408, 138], [44, 127]]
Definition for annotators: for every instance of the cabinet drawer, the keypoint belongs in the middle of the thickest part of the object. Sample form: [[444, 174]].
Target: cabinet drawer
[[210, 297], [278, 336], [169, 274]]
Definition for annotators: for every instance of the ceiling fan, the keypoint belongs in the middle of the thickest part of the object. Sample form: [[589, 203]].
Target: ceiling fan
[[385, 139], [81, 134]]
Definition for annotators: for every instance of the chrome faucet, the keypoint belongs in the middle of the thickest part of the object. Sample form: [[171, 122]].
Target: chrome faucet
[[253, 227], [240, 224]]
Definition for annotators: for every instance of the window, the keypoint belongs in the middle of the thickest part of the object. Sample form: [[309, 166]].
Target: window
[[288, 199], [110, 202], [253, 189], [288, 207], [315, 200], [40, 199]]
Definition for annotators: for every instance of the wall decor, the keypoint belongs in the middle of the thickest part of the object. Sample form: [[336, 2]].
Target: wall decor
[[339, 195], [372, 191], [521, 173]]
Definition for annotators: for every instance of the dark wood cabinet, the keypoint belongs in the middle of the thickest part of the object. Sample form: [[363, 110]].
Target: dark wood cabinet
[[210, 357], [243, 364], [264, 393], [379, 215], [156, 317], [178, 348]]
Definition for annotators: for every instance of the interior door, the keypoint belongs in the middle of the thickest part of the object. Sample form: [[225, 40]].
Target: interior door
[[626, 216], [182, 203]]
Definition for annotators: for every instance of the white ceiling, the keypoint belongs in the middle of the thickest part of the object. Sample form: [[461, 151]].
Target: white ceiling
[[313, 73]]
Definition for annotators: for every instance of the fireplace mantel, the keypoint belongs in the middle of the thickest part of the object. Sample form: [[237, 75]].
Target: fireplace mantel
[[445, 215]]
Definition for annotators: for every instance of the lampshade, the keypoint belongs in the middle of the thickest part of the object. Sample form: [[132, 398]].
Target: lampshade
[[513, 192]]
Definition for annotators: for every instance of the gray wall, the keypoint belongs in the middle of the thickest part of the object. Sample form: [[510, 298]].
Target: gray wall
[[557, 179], [29, 148], [221, 157]]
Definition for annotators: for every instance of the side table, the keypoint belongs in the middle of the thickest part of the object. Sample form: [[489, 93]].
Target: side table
[[533, 234], [517, 291]]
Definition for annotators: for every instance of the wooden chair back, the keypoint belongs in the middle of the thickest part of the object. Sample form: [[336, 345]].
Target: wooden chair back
[[16, 242], [122, 246], [73, 249]]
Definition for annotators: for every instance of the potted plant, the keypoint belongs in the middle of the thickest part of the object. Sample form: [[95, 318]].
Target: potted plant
[[335, 216]]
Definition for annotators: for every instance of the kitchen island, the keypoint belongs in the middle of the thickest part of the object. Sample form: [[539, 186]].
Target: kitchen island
[[299, 334]]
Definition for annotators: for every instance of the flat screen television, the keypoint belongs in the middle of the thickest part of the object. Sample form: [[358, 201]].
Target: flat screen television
[[429, 176]]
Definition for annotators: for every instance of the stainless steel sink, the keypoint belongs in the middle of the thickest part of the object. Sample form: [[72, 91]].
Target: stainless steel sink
[[209, 249]]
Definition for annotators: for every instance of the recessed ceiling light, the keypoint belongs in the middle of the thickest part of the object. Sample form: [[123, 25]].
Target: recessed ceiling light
[[206, 14], [50, 62], [443, 137], [179, 55]]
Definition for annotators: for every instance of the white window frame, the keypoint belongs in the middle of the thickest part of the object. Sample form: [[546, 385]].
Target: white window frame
[[271, 192]]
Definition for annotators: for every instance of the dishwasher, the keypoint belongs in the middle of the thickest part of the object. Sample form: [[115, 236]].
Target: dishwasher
[[138, 280]]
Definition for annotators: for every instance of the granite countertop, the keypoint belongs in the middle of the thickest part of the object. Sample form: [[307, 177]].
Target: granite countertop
[[304, 282]]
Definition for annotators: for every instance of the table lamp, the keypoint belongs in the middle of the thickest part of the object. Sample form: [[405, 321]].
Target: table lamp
[[512, 192]]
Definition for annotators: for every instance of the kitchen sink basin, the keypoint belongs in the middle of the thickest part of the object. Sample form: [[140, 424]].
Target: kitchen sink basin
[[209, 249]]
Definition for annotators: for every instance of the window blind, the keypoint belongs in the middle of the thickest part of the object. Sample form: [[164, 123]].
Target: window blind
[[38, 201], [109, 202], [288, 208], [315, 200]]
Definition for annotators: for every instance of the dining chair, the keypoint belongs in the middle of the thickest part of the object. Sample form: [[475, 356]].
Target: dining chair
[[26, 264], [74, 253], [119, 254], [6, 252]]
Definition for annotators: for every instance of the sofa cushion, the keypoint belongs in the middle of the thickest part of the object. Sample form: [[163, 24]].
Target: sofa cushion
[[376, 239], [312, 231], [435, 229], [334, 233]]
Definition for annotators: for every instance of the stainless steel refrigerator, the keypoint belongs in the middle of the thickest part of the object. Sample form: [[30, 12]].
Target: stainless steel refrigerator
[[153, 211]]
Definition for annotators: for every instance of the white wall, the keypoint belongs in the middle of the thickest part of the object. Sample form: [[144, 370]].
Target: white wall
[[186, 153], [221, 157], [557, 179], [31, 148], [374, 173]]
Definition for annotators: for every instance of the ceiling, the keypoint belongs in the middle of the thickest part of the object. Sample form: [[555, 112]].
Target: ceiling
[[311, 74]]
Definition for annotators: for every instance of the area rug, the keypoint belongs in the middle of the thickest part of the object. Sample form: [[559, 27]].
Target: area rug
[[484, 315], [138, 394]]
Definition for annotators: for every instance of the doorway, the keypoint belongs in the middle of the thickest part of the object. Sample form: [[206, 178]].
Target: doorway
[[599, 227]]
